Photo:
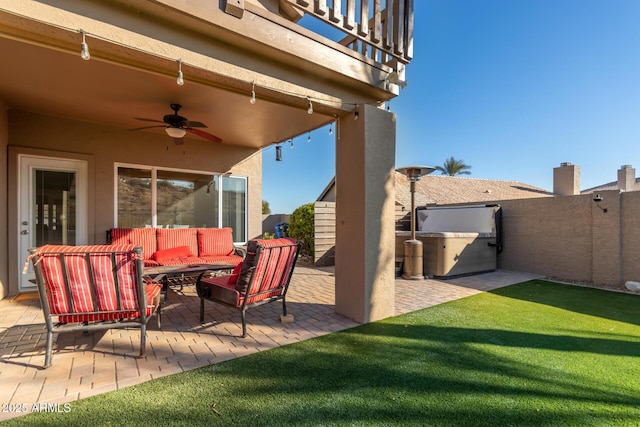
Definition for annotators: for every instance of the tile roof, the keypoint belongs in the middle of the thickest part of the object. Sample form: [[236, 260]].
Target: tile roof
[[443, 189], [609, 186]]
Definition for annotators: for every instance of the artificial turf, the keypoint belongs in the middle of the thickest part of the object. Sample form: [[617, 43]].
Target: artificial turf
[[533, 354]]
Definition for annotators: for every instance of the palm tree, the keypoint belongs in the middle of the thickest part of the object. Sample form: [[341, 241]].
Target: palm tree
[[453, 167]]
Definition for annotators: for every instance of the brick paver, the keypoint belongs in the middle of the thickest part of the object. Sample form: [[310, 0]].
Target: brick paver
[[84, 365]]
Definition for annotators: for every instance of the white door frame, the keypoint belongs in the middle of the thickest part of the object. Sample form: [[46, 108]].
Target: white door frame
[[27, 164]]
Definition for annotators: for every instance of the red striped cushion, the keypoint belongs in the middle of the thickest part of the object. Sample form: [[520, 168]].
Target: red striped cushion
[[274, 265], [120, 236], [173, 237], [271, 270], [144, 237], [215, 241], [270, 275], [98, 249], [153, 289], [78, 273]]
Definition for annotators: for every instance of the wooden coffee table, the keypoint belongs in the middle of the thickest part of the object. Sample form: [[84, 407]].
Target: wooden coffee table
[[180, 275]]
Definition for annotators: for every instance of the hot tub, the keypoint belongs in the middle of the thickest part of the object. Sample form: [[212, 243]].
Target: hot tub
[[457, 241]]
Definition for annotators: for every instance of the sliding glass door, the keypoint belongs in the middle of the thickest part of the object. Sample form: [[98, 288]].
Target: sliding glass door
[[155, 197]]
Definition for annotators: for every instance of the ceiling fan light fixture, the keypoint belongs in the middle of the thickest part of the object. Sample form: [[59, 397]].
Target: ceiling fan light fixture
[[175, 132]]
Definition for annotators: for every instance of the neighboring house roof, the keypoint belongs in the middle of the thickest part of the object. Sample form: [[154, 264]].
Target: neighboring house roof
[[444, 190], [610, 186], [329, 192]]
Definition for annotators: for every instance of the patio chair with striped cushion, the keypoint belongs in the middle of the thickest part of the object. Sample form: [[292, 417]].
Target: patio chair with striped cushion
[[93, 288], [262, 277]]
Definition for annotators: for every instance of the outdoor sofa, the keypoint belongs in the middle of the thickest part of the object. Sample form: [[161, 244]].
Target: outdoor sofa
[[180, 246]]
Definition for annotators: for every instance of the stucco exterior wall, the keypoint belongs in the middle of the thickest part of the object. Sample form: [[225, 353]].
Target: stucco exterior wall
[[105, 145], [4, 141]]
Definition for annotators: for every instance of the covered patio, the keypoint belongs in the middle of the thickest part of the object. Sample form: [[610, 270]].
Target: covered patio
[[95, 363], [85, 77]]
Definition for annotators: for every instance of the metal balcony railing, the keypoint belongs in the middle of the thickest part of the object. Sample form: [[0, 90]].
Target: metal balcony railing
[[378, 29]]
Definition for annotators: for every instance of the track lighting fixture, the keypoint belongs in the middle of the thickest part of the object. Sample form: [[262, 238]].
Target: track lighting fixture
[[84, 47], [356, 115], [252, 100], [291, 142], [310, 109], [278, 153], [309, 137], [180, 79], [331, 128]]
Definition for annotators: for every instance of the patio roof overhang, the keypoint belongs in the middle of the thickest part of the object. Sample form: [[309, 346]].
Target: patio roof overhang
[[133, 68]]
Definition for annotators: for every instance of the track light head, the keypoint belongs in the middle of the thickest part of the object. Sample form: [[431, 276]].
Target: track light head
[[180, 79], [84, 47]]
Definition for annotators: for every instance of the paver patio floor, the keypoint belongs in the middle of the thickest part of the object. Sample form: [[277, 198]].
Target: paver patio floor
[[84, 365]]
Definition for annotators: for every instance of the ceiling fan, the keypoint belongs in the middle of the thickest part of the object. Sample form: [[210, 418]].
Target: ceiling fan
[[177, 126]]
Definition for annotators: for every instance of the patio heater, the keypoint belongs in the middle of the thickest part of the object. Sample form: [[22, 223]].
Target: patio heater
[[413, 248]]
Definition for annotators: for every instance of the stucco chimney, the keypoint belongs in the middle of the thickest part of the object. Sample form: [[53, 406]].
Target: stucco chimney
[[626, 178], [566, 179]]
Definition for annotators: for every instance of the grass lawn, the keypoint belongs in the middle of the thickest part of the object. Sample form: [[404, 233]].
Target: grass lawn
[[533, 354]]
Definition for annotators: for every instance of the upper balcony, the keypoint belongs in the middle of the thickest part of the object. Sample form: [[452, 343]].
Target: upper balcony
[[379, 30]]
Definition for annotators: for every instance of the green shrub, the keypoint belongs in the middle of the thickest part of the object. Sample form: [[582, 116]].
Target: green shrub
[[301, 227]]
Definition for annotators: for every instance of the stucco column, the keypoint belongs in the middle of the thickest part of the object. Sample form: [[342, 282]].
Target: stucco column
[[365, 209]]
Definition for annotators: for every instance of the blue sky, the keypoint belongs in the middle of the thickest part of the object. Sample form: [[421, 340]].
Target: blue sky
[[511, 87]]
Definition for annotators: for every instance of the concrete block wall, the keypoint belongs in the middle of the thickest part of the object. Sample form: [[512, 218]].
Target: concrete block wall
[[573, 237]]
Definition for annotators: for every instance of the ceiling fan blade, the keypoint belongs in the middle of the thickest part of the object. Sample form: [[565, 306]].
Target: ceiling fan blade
[[196, 125], [203, 134], [148, 120], [150, 127]]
